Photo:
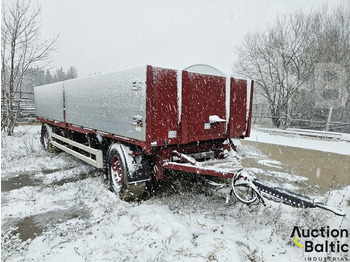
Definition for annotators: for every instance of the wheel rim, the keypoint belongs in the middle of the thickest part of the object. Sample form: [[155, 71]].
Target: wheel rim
[[116, 173], [46, 139]]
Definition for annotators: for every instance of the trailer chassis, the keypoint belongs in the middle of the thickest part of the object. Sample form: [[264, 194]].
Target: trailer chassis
[[244, 185], [253, 188]]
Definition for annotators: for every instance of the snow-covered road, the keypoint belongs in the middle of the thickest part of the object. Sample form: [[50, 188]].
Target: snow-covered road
[[57, 208]]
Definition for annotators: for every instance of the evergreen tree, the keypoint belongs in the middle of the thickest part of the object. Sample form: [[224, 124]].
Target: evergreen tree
[[59, 75], [48, 79], [71, 73]]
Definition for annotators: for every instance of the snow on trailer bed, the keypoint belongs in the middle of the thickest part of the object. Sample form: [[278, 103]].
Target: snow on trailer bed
[[71, 216], [107, 102]]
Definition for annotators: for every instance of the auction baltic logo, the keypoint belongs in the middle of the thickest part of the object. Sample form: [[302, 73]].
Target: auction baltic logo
[[323, 240]]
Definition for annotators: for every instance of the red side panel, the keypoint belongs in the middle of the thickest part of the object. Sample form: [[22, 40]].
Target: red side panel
[[238, 108], [161, 106], [250, 110], [202, 96]]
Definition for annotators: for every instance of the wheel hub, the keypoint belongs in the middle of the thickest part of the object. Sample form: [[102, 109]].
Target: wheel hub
[[116, 172], [46, 139]]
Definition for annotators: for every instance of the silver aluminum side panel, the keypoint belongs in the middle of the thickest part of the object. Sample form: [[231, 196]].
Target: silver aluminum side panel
[[109, 102], [49, 101]]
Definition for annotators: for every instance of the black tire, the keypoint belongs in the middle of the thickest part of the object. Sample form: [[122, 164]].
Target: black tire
[[118, 171], [45, 138]]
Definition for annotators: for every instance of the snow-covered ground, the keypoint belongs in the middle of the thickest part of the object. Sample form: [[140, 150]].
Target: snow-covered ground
[[333, 146], [57, 208]]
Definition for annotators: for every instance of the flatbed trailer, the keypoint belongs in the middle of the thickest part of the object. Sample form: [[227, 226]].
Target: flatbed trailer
[[135, 123]]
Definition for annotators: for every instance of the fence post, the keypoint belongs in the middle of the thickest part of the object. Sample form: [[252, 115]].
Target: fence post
[[329, 118]]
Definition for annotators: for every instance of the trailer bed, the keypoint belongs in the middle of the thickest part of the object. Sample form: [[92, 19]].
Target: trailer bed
[[150, 106]]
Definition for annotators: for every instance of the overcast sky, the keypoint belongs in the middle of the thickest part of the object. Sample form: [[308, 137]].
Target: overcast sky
[[105, 35]]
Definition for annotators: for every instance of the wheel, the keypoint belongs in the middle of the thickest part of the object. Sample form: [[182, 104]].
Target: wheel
[[45, 138], [118, 171]]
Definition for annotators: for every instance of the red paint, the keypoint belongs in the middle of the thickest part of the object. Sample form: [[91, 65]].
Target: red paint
[[116, 171], [159, 157], [161, 105], [51, 122], [238, 108], [202, 96], [197, 170], [64, 105], [145, 146], [247, 134], [162, 154]]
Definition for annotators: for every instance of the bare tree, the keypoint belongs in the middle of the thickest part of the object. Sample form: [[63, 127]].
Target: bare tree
[[21, 48], [277, 60], [329, 89], [282, 59]]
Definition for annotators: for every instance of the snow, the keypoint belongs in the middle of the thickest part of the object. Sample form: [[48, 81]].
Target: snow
[[127, 154], [338, 147], [49, 101], [270, 163], [286, 176], [83, 98], [179, 93], [345, 137], [182, 221]]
